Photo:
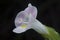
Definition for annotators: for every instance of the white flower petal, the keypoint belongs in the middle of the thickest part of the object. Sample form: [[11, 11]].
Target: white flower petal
[[19, 30], [39, 27], [22, 28]]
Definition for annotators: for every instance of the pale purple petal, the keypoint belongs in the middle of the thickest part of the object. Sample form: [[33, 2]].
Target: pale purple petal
[[31, 9], [25, 17], [22, 17], [19, 18], [28, 15]]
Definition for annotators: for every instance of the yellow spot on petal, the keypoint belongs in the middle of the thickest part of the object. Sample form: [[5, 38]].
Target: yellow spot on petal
[[24, 26]]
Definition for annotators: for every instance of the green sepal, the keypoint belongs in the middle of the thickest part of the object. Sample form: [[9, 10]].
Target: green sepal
[[52, 34]]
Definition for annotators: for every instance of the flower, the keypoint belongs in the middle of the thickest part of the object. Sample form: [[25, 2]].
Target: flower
[[26, 19]]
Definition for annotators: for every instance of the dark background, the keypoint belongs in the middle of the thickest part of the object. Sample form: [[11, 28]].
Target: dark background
[[48, 14]]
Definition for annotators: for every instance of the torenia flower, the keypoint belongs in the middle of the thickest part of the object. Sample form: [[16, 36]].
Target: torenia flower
[[26, 19]]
